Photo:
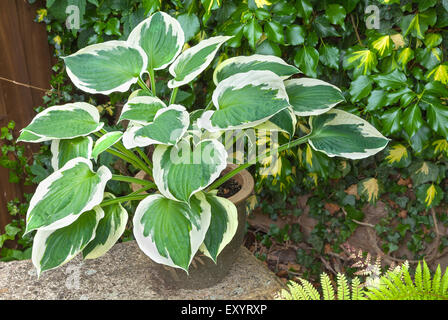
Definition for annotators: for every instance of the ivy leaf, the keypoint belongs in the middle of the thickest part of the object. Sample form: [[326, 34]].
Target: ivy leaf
[[430, 195], [360, 88], [383, 45], [437, 115], [329, 56], [252, 32], [274, 31], [307, 59], [393, 80], [391, 121], [412, 119], [424, 172], [190, 24], [364, 60], [377, 100], [405, 55], [370, 189], [323, 27], [439, 73], [113, 27], [424, 5], [398, 156], [304, 10], [295, 35], [335, 14]]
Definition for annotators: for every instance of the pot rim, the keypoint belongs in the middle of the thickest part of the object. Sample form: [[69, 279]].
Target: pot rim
[[244, 178]]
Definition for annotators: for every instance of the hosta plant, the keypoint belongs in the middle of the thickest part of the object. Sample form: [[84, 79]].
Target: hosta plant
[[72, 213]]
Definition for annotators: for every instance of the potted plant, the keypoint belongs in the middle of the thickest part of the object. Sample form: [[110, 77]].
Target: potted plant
[[182, 215]]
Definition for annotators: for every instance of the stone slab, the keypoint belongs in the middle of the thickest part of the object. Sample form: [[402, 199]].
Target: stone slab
[[125, 273]]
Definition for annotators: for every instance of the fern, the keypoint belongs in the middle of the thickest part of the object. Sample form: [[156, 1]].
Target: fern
[[306, 290], [395, 284]]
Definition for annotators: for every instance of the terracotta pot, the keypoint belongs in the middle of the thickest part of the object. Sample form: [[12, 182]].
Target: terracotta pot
[[203, 272]]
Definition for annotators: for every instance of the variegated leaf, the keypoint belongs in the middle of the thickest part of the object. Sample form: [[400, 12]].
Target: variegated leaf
[[63, 122], [110, 229], [65, 194], [180, 171], [171, 232], [310, 97], [106, 67], [168, 127], [245, 100], [141, 109], [370, 189], [242, 64], [339, 133], [194, 60], [161, 37], [105, 142], [223, 226], [284, 121], [53, 248], [67, 149]]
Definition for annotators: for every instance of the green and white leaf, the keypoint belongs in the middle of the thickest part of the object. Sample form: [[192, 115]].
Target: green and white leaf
[[105, 142], [65, 194], [141, 109], [194, 60], [223, 226], [243, 64], [67, 149], [284, 121], [339, 133], [161, 37], [310, 97], [110, 229], [53, 248], [245, 100], [169, 126], [180, 172], [171, 232], [63, 122], [106, 67]]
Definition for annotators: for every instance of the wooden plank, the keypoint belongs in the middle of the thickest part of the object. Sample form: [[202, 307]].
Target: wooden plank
[[25, 57]]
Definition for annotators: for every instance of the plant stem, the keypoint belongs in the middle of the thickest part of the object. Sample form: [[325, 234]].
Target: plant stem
[[209, 105], [144, 157], [173, 95], [235, 171], [145, 183], [136, 161], [123, 199], [153, 81], [143, 85], [136, 164]]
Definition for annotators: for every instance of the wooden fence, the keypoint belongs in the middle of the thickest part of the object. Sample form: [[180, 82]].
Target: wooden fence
[[25, 57]]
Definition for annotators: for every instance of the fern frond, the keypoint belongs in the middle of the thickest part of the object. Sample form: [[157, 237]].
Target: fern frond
[[327, 287], [444, 284], [436, 280], [296, 292], [357, 291], [418, 277], [343, 289], [427, 288], [312, 293]]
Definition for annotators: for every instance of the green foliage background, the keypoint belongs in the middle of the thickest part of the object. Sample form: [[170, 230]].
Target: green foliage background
[[395, 77]]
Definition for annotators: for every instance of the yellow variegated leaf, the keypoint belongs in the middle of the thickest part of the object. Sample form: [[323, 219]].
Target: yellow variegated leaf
[[397, 153], [441, 146], [370, 188], [309, 156], [405, 56], [382, 44], [430, 195], [313, 176], [424, 169], [440, 73], [261, 3], [366, 59], [398, 40], [41, 14]]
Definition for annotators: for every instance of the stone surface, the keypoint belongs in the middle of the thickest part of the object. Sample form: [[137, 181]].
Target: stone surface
[[126, 273]]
